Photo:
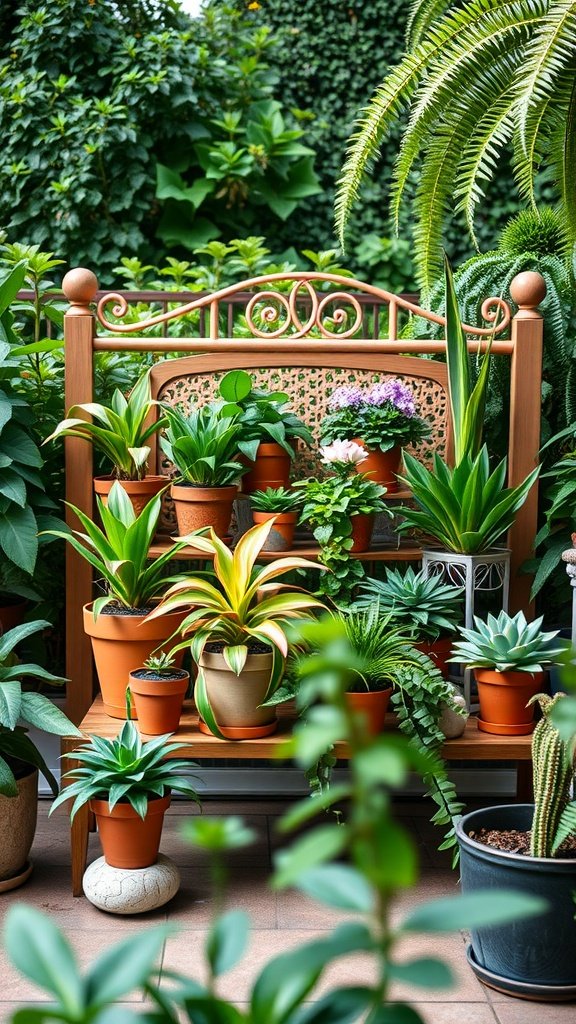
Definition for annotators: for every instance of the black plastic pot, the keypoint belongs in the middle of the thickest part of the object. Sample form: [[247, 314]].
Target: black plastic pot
[[533, 958]]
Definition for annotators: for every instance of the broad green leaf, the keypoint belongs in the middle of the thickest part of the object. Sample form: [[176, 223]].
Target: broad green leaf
[[9, 640], [227, 941], [474, 910], [125, 967], [39, 710], [425, 972], [338, 885], [235, 386], [340, 1006], [8, 785], [19, 537], [38, 949], [10, 703], [11, 285], [321, 845]]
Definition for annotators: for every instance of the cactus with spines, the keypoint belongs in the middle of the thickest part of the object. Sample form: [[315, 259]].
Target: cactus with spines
[[553, 773]]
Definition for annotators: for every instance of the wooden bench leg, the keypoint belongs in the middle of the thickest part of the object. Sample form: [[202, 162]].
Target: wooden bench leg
[[524, 787], [79, 832]]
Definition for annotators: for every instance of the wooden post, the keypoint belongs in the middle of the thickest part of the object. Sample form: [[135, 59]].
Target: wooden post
[[80, 287], [527, 290]]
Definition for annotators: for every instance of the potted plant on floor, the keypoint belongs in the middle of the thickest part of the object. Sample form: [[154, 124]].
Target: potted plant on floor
[[269, 430], [509, 656], [20, 759], [530, 848], [282, 507], [120, 433], [127, 784], [158, 690], [237, 631], [119, 551], [426, 609], [382, 418], [340, 510], [203, 446]]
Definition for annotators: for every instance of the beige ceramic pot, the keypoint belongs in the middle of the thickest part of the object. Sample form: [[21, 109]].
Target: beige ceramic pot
[[197, 507], [235, 699], [17, 828]]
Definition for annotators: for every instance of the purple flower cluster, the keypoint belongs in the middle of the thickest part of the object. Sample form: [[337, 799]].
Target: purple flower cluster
[[395, 392], [346, 397]]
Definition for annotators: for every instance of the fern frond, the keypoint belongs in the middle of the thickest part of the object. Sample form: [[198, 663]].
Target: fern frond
[[566, 826], [551, 49], [423, 14], [563, 161]]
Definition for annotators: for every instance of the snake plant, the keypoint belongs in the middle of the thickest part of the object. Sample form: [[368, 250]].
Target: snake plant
[[422, 606], [508, 644]]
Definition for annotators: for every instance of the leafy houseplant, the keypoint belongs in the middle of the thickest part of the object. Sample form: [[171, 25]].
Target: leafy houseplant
[[158, 690], [120, 433], [382, 418], [427, 610], [237, 631], [127, 784], [20, 758], [268, 430], [530, 847], [120, 554], [509, 656], [282, 506], [204, 448], [340, 510]]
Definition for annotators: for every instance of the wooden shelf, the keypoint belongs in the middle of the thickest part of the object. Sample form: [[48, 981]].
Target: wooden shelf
[[406, 552]]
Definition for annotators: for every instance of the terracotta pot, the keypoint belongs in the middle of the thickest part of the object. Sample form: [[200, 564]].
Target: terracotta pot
[[12, 613], [203, 506], [127, 840], [380, 466], [362, 527], [158, 702], [235, 699], [281, 536], [140, 492], [438, 651], [503, 697], [373, 705], [17, 828], [121, 643], [271, 468]]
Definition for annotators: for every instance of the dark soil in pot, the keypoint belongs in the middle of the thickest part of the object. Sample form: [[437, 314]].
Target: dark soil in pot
[[117, 609], [149, 675], [254, 647], [518, 841]]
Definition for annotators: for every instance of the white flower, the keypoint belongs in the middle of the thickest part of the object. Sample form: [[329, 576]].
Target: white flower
[[344, 452]]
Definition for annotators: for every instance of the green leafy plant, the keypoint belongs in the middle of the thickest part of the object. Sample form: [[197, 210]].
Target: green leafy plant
[[262, 415], [120, 550], [203, 446], [125, 770], [161, 664], [508, 644], [560, 515], [276, 499], [383, 416], [120, 432], [423, 607], [235, 608], [382, 648], [19, 709], [329, 506]]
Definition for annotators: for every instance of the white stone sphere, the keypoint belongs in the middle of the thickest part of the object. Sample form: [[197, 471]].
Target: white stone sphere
[[131, 890]]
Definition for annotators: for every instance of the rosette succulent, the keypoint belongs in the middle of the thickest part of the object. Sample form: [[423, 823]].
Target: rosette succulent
[[508, 644], [423, 606], [383, 416]]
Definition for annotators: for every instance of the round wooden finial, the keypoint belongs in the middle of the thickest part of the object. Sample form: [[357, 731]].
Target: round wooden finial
[[80, 286], [528, 289]]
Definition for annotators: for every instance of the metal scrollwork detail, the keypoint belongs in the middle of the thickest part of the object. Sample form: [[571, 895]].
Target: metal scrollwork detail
[[280, 306]]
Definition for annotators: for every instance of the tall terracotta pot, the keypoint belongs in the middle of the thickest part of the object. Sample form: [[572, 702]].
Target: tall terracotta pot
[[438, 651], [503, 697], [140, 492], [362, 529], [281, 536], [121, 643], [197, 507], [380, 466], [271, 468], [235, 700], [158, 702], [373, 705], [128, 841], [17, 827]]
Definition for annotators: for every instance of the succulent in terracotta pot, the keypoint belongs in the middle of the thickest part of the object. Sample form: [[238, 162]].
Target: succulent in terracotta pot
[[158, 689], [282, 507]]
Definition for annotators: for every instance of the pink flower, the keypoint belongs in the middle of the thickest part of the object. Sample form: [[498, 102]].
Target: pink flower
[[345, 397], [346, 453]]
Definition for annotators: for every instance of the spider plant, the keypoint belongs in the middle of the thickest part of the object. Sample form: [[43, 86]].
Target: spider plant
[[382, 649]]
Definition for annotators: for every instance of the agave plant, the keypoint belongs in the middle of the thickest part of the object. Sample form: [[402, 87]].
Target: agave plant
[[125, 769], [508, 644], [203, 446], [120, 550], [162, 664], [119, 432], [421, 606], [276, 499]]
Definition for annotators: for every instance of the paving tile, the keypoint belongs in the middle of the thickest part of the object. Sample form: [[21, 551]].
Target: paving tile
[[519, 1011], [433, 884], [297, 911], [247, 890], [456, 1013]]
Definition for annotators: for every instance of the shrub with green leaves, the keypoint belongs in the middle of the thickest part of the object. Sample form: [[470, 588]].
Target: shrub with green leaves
[[423, 607], [263, 416], [203, 446], [276, 499], [508, 643]]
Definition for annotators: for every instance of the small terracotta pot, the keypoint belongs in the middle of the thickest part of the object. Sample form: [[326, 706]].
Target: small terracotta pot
[[438, 651], [281, 536], [17, 828], [127, 840], [362, 528], [271, 468], [140, 492], [380, 466], [197, 507], [503, 697], [235, 699], [158, 702], [373, 705], [121, 643], [12, 614]]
